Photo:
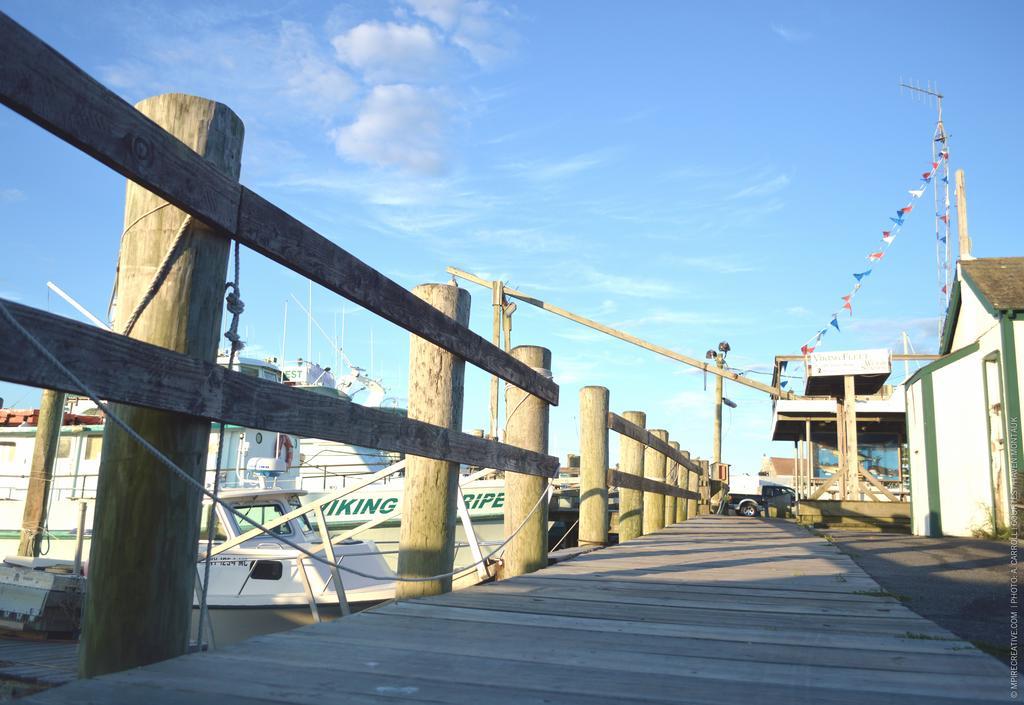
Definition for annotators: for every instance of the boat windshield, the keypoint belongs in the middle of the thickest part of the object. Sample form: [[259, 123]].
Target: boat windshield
[[262, 514]]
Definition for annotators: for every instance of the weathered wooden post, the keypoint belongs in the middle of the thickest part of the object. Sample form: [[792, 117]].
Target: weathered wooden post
[[526, 426], [142, 564], [44, 453], [654, 502], [693, 484], [705, 486], [426, 541], [631, 462], [672, 470], [683, 505], [594, 466]]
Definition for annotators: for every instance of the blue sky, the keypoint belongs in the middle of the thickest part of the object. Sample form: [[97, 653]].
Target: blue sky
[[688, 172]]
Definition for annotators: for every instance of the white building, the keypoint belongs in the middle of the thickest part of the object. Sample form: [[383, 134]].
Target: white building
[[963, 410]]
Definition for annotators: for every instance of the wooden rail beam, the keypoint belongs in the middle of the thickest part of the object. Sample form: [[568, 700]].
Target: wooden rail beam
[[641, 435], [644, 484], [123, 370], [46, 88], [621, 335]]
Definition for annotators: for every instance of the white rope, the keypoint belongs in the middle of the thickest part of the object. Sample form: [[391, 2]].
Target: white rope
[[169, 464]]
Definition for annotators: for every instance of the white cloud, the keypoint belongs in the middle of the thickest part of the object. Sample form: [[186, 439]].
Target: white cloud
[[308, 76], [556, 170], [11, 195], [398, 126], [765, 188], [473, 25], [722, 264], [790, 34], [622, 285], [389, 52]]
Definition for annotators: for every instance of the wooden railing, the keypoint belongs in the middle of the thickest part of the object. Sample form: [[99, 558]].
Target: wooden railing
[[43, 86], [46, 88]]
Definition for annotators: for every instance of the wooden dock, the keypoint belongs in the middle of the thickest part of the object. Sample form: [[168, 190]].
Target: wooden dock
[[716, 610]]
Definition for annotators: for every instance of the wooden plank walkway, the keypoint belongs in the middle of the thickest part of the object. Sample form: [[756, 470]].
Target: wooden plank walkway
[[717, 610]]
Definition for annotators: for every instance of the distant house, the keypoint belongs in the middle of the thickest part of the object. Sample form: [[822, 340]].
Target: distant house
[[780, 470], [963, 410]]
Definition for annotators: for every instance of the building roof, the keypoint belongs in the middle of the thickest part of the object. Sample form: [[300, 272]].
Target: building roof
[[998, 283], [999, 279], [783, 466]]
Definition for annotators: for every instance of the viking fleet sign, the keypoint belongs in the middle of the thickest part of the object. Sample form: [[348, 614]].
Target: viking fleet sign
[[851, 362]]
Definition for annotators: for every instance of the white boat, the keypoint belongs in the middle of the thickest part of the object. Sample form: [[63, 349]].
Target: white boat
[[261, 584]]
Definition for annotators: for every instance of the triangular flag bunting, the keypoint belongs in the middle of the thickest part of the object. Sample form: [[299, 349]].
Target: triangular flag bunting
[[944, 218], [935, 165], [875, 256], [926, 176], [898, 221], [784, 383], [849, 307], [888, 237], [943, 288], [847, 298], [906, 209], [863, 274], [835, 321], [806, 349], [918, 193]]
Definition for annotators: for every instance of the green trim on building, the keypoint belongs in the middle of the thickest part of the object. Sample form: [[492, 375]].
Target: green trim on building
[[1011, 393], [949, 324], [931, 367], [931, 457]]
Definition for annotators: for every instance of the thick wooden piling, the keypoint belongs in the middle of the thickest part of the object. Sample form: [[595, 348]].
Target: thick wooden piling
[[436, 380], [683, 482], [631, 461], [654, 502], [705, 486], [142, 564], [693, 484], [526, 426], [672, 473], [594, 466], [44, 453]]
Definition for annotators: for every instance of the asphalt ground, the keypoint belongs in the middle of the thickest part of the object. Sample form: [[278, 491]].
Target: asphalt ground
[[962, 584]]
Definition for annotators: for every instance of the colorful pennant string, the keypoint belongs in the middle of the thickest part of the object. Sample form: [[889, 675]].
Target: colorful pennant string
[[888, 237]]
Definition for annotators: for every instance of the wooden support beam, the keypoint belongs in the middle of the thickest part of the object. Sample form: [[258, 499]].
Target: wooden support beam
[[623, 426], [825, 485], [851, 472], [654, 469], [120, 369], [526, 426], [608, 330], [146, 517], [683, 480], [43, 86], [672, 472], [593, 466], [631, 462], [874, 481], [426, 544], [692, 502], [40, 478]]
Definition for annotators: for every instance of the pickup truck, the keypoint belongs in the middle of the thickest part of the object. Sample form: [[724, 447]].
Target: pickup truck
[[751, 503]]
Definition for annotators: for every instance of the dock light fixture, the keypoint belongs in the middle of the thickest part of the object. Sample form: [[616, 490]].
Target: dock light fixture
[[729, 402]]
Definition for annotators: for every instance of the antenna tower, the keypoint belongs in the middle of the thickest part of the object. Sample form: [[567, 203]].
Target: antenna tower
[[930, 94]]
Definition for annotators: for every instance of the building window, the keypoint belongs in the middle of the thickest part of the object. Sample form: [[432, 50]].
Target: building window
[[64, 448], [93, 447], [7, 452]]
